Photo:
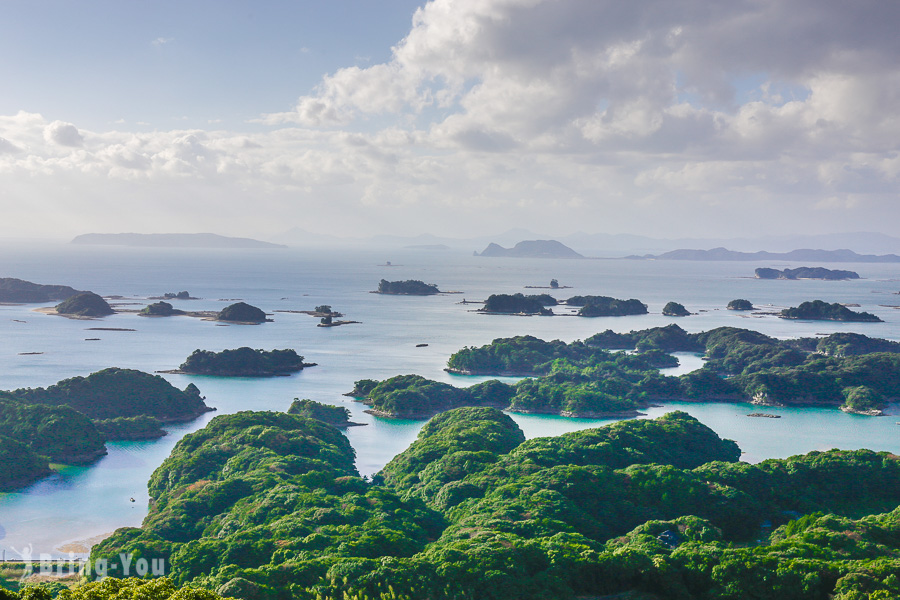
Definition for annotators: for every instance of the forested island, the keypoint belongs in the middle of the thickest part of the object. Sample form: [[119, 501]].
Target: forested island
[[243, 362], [410, 287], [518, 304], [740, 304], [336, 416], [819, 310], [269, 506], [586, 379], [806, 273], [84, 304], [241, 312], [675, 309], [605, 306], [18, 291], [160, 309]]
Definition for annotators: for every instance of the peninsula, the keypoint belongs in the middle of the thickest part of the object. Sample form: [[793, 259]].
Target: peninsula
[[171, 240], [19, 291]]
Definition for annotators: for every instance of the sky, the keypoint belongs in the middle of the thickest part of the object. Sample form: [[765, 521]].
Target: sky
[[669, 118]]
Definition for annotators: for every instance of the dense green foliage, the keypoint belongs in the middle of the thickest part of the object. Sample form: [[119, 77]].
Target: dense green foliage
[[740, 304], [20, 465], [338, 416], [819, 310], [243, 362], [160, 309], [519, 304], [130, 428], [58, 432], [604, 306], [410, 287], [114, 392], [806, 273], [674, 309], [19, 290], [414, 397], [268, 507], [241, 312], [85, 304]]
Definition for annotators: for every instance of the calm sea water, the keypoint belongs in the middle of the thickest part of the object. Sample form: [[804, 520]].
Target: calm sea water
[[81, 503]]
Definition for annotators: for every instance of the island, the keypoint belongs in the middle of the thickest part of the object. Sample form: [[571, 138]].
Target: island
[[605, 306], [518, 304], [21, 465], [182, 295], [59, 433], [336, 416], [112, 393], [160, 309], [740, 304], [819, 310], [674, 309], [171, 240], [241, 312], [531, 249], [138, 428], [19, 291], [84, 305], [261, 505], [410, 287], [243, 362], [801, 255], [806, 273]]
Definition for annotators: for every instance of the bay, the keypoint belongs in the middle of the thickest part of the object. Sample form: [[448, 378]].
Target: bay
[[81, 503]]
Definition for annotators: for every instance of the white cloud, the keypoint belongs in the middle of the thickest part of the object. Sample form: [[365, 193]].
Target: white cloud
[[634, 115], [162, 41]]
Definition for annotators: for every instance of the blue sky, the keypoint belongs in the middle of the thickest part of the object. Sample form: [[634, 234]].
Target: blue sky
[[670, 118]]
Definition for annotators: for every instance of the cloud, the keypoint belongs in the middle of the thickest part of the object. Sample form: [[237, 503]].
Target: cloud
[[162, 41], [64, 134], [556, 114]]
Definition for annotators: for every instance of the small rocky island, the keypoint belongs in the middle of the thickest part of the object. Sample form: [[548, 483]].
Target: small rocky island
[[336, 416], [241, 312], [818, 310], [740, 304], [84, 305], [243, 362], [410, 287], [806, 273], [19, 291], [531, 249], [674, 309], [605, 306], [160, 309]]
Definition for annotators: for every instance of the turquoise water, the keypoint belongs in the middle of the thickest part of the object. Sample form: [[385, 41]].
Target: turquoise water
[[80, 503]]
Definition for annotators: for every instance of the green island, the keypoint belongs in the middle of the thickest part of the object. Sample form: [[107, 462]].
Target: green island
[[160, 309], [605, 306], [269, 506], [243, 362], [806, 273], [241, 312], [819, 310], [410, 287], [519, 304], [588, 379], [25, 292], [336, 416], [674, 309], [58, 433], [740, 304], [85, 304], [21, 464]]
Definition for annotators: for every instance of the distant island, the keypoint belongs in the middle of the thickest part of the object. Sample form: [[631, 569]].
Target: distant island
[[806, 255], [806, 273], [160, 309], [605, 306], [531, 249], [674, 309], [171, 240], [243, 362], [410, 287], [25, 292], [85, 305], [519, 304], [241, 312], [740, 304], [818, 310]]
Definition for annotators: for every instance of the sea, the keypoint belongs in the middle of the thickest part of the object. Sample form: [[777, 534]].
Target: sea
[[62, 515]]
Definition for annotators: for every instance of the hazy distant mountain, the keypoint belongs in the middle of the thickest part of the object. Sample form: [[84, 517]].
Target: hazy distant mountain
[[806, 255], [532, 249], [170, 240]]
